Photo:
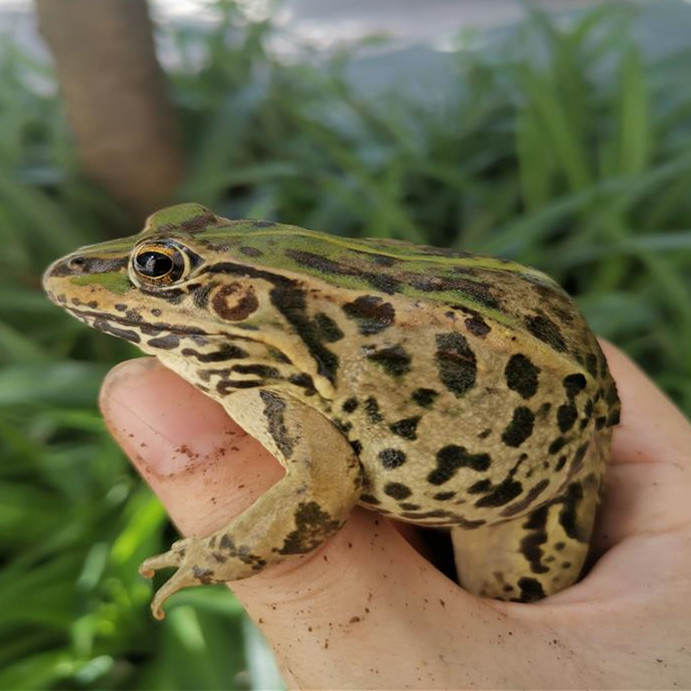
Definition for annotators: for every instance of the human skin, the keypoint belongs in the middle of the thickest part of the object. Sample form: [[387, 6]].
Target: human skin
[[367, 610]]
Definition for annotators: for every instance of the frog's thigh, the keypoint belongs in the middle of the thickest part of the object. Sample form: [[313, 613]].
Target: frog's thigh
[[296, 515], [531, 557]]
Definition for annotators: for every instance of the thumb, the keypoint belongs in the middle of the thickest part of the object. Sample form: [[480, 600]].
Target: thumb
[[363, 610]]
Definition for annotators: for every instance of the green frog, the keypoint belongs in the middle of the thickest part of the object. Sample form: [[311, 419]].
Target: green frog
[[430, 385]]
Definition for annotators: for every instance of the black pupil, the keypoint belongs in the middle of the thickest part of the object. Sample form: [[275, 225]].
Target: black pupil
[[154, 264]]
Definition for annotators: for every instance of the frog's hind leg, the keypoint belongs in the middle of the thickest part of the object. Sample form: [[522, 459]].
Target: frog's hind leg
[[528, 558], [295, 516]]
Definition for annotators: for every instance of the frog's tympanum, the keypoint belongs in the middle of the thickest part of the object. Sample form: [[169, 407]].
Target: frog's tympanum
[[433, 386]]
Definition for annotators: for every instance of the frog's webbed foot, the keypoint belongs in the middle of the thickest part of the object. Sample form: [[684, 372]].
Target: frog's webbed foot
[[182, 555]]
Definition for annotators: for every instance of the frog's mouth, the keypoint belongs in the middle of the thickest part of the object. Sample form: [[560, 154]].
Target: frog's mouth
[[133, 330]]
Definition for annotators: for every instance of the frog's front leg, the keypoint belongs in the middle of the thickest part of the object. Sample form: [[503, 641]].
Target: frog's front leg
[[296, 515]]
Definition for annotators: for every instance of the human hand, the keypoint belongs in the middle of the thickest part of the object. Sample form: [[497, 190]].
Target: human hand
[[366, 610]]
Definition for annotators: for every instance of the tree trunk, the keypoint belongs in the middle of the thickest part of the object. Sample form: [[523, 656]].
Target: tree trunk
[[114, 88]]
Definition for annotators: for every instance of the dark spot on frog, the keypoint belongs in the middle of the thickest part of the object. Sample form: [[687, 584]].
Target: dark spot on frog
[[372, 410], [531, 589], [531, 544], [381, 281], [290, 301], [235, 302], [204, 576], [614, 418], [397, 490], [546, 330], [478, 291], [591, 364], [369, 499], [574, 384], [577, 461], [566, 417], [151, 330], [456, 363], [557, 445], [477, 325], [407, 506], [120, 307], [304, 381], [522, 375], [313, 526], [262, 371], [133, 316], [391, 458], [167, 342], [450, 458], [262, 224], [274, 410], [444, 496], [103, 325], [527, 501], [356, 446], [568, 515], [384, 282], [241, 552], [560, 464], [172, 295], [200, 295], [371, 313], [279, 356], [484, 434], [226, 352], [612, 397], [345, 427], [326, 328], [502, 494], [480, 487], [349, 405], [251, 251], [424, 397], [395, 361], [520, 428], [406, 428], [384, 260]]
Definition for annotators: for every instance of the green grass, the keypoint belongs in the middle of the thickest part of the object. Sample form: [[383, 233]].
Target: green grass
[[563, 148]]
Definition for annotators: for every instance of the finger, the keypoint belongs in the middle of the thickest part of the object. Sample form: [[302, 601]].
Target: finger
[[364, 610], [648, 481], [652, 429]]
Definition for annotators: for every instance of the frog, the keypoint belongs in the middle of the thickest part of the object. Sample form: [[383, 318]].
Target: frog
[[449, 390]]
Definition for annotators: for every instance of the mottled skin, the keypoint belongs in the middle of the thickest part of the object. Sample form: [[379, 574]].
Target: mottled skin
[[434, 386]]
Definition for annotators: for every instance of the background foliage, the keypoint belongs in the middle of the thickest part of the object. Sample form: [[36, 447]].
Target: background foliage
[[562, 146]]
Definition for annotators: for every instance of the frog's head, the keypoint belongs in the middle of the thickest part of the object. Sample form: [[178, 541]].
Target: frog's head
[[191, 280]]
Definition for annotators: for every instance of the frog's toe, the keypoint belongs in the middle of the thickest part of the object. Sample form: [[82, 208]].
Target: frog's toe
[[161, 561], [182, 578]]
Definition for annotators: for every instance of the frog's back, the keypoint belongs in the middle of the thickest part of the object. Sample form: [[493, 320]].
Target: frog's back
[[486, 289]]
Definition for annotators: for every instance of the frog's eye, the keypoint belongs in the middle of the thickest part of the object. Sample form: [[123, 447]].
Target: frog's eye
[[160, 264]]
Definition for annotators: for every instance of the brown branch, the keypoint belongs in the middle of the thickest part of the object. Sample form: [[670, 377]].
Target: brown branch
[[116, 99]]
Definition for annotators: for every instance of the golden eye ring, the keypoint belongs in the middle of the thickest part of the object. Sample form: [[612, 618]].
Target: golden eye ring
[[160, 263]]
